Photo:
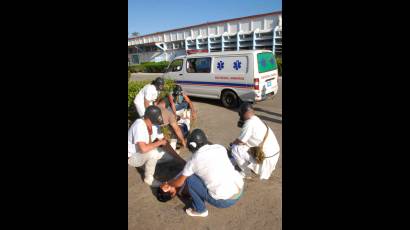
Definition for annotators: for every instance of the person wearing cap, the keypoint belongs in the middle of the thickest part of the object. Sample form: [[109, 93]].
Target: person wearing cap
[[253, 132], [147, 95], [144, 142], [179, 102], [208, 176]]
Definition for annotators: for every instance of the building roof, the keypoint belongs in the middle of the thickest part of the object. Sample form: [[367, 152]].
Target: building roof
[[209, 23]]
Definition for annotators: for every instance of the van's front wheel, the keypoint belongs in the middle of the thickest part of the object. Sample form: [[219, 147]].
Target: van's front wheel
[[229, 99]]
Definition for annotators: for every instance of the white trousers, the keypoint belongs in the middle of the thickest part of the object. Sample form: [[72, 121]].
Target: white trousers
[[150, 160], [185, 115], [243, 159]]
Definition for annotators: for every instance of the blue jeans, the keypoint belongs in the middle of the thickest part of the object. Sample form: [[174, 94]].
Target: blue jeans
[[183, 105], [184, 129], [199, 194]]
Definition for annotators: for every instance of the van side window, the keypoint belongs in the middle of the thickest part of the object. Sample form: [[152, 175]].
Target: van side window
[[199, 65], [175, 66]]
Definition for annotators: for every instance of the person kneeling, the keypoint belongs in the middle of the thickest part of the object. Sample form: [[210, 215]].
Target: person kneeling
[[256, 148], [209, 176], [142, 150]]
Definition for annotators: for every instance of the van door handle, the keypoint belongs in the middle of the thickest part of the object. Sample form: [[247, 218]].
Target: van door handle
[[180, 74]]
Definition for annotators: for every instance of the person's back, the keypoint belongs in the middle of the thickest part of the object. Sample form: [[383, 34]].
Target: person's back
[[148, 92], [259, 128], [253, 131], [216, 170]]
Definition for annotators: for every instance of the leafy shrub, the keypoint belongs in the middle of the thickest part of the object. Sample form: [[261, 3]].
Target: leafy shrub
[[136, 68], [158, 67], [149, 67], [279, 63]]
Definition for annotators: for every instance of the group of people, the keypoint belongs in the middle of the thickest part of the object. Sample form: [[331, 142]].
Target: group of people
[[214, 173]]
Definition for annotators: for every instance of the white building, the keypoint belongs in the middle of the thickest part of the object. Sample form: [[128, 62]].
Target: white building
[[262, 31]]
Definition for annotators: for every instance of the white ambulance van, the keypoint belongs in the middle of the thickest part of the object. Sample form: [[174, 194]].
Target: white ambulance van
[[231, 76]]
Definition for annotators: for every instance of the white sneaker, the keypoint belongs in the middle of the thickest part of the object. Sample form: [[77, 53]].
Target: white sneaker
[[191, 212], [153, 183]]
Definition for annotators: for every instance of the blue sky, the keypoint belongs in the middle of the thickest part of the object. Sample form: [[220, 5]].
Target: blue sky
[[158, 15]]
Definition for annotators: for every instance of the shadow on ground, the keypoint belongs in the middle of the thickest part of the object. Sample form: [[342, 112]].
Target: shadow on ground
[[268, 112]]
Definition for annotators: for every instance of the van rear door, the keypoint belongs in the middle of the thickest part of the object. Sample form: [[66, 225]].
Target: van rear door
[[267, 72]]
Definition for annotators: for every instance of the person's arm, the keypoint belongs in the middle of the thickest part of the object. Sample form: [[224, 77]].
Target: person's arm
[[186, 172], [246, 133], [171, 102], [178, 182], [191, 106], [178, 132], [144, 148]]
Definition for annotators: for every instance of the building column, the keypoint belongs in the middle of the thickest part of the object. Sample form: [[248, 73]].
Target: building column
[[274, 39], [237, 41], [223, 43], [253, 40], [209, 44]]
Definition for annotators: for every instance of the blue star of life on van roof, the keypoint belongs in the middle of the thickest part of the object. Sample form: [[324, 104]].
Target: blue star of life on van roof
[[237, 65]]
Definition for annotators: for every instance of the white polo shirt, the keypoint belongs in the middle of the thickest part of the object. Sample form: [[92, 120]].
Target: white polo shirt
[[212, 165], [138, 132], [150, 93], [253, 132]]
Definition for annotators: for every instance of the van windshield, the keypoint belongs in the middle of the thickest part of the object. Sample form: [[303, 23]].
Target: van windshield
[[266, 62]]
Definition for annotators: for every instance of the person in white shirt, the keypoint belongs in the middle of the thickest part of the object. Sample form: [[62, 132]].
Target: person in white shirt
[[144, 141], [252, 134], [147, 95], [209, 175]]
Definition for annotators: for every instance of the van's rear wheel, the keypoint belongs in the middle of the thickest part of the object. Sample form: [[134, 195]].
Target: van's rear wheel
[[230, 99]]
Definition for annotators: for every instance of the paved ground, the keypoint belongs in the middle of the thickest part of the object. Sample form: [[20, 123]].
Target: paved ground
[[259, 208]]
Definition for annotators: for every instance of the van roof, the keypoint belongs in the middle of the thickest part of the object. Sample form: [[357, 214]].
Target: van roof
[[223, 53]]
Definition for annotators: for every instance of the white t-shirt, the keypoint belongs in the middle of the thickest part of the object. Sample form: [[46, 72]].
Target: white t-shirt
[[148, 92], [253, 132], [212, 165], [138, 132]]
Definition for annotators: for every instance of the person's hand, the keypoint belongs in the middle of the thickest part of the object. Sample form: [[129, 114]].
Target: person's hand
[[172, 190], [165, 187], [163, 142], [168, 188]]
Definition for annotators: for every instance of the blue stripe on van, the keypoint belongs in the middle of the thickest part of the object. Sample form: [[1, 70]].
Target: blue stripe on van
[[207, 83]]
